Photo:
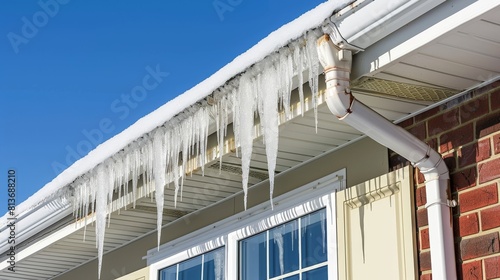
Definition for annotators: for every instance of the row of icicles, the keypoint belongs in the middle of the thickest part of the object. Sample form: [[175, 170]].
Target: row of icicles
[[163, 155]]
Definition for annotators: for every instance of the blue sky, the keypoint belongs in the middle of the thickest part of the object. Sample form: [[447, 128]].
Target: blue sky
[[68, 68]]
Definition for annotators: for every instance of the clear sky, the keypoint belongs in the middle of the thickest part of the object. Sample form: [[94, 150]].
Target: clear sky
[[68, 68]]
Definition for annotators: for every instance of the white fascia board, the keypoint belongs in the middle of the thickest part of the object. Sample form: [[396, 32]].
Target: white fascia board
[[34, 221], [50, 239], [432, 33]]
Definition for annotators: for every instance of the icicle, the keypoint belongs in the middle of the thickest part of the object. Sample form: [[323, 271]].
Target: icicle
[[268, 106], [236, 119], [174, 156], [118, 181], [101, 205], [143, 156], [221, 128], [298, 59], [204, 122], [87, 195], [159, 166], [135, 165], [126, 173], [77, 202], [186, 134], [323, 229], [246, 123], [219, 264], [150, 157], [110, 185], [278, 238], [285, 75], [312, 58]]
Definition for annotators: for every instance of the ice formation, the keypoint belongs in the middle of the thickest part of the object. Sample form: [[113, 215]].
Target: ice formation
[[278, 239], [179, 146], [219, 264]]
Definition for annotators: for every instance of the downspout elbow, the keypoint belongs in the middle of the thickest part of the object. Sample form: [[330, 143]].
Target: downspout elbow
[[337, 69], [340, 101]]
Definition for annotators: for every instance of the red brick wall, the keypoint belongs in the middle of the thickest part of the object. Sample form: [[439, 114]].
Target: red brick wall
[[466, 131]]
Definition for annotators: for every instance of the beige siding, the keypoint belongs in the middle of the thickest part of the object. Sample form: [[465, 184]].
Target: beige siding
[[363, 160], [142, 274], [376, 229]]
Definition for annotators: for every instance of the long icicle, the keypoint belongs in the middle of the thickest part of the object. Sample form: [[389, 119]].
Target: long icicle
[[159, 166], [246, 123], [268, 92]]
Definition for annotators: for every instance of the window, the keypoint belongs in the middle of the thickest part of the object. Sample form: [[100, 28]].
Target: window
[[294, 250], [295, 240], [208, 266]]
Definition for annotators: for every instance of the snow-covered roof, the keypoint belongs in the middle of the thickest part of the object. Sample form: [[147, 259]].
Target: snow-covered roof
[[163, 114]]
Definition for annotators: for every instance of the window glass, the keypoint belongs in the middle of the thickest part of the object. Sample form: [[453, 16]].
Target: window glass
[[190, 269], [169, 273], [290, 249], [313, 238], [253, 257], [284, 249], [316, 274], [213, 265], [208, 266]]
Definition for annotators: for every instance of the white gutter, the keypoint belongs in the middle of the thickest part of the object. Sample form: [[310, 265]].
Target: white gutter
[[30, 223], [364, 22], [340, 101]]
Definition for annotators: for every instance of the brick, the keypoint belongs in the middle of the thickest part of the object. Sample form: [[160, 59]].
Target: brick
[[479, 246], [457, 137], [489, 170], [451, 161], [474, 153], [492, 267], [427, 114], [422, 219], [490, 218], [472, 271], [425, 261], [474, 108], [464, 179], [433, 143], [424, 237], [420, 177], [478, 198], [467, 225], [420, 197], [443, 122], [406, 123], [426, 277], [419, 131], [494, 86], [488, 124], [495, 100], [496, 143]]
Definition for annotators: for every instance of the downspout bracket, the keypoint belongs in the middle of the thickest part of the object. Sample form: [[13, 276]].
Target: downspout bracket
[[450, 203]]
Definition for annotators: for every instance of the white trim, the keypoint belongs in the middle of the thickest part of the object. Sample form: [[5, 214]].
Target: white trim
[[294, 204], [434, 32], [300, 209]]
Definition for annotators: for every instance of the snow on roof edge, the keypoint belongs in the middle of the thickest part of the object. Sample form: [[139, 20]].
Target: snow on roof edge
[[273, 42]]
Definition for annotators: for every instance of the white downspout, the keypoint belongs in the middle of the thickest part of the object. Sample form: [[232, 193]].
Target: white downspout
[[337, 67]]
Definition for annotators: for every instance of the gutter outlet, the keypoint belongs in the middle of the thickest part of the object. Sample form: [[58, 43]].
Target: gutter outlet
[[337, 67]]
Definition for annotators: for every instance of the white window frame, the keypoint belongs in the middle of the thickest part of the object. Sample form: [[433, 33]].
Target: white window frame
[[228, 232]]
